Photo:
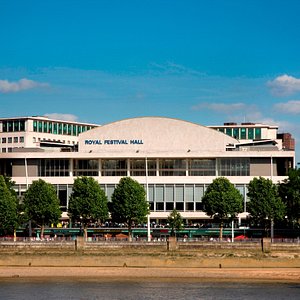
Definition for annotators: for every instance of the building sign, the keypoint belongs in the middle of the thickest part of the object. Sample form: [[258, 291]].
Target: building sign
[[113, 142]]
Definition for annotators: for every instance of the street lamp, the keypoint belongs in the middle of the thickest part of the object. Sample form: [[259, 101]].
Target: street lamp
[[147, 198]]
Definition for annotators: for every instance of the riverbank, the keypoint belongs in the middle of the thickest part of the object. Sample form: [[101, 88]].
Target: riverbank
[[128, 273]]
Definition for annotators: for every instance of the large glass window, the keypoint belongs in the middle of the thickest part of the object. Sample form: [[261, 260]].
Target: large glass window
[[236, 134], [243, 133], [202, 167], [229, 131], [172, 167], [234, 167], [54, 167], [250, 133], [114, 167], [257, 133], [138, 167], [35, 126], [40, 126], [85, 167]]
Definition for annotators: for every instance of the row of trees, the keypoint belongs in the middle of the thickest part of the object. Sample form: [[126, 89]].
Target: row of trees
[[88, 202]]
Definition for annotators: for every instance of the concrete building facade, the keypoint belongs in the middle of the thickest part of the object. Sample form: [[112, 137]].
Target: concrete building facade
[[176, 160]]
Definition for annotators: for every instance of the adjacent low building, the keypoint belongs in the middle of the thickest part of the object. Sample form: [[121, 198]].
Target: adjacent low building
[[175, 160]]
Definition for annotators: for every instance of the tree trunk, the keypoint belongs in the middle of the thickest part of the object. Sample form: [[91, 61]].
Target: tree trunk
[[42, 231], [221, 231], [129, 233], [85, 233]]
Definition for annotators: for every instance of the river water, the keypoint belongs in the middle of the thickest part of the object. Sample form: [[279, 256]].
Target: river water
[[122, 289]]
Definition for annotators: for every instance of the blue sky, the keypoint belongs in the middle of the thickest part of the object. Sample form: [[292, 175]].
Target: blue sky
[[204, 61]]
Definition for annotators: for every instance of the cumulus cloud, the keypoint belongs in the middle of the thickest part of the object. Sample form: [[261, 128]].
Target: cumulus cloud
[[284, 85], [220, 107], [290, 107], [17, 86], [63, 117]]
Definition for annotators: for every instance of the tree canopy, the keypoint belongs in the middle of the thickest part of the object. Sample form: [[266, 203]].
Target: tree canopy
[[87, 202], [129, 204], [8, 206], [265, 203], [222, 200], [41, 204], [175, 222], [289, 191]]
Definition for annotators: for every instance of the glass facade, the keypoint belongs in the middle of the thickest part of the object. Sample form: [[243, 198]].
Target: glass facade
[[242, 133], [54, 167], [234, 167], [59, 128], [172, 167], [85, 167], [202, 167], [13, 126], [114, 167], [138, 167]]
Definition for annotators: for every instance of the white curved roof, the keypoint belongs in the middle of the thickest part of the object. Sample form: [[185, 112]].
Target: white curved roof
[[153, 134]]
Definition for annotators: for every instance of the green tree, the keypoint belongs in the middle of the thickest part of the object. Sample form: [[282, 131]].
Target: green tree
[[289, 191], [20, 217], [265, 205], [41, 204], [8, 207], [222, 201], [175, 222], [129, 204], [88, 202]]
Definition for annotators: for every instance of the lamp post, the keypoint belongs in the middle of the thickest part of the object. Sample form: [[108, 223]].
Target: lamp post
[[147, 198]]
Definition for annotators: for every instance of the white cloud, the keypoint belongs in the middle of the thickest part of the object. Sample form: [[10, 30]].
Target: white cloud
[[17, 86], [63, 117], [290, 107], [284, 85], [220, 107]]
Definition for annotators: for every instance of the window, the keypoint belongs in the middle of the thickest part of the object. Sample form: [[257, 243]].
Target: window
[[179, 206], [243, 133], [40, 126], [221, 129], [236, 134], [35, 126], [160, 206], [50, 127], [86, 167], [234, 167], [169, 206], [3, 150], [75, 130], [54, 167], [21, 139], [189, 206], [202, 167], [250, 133], [65, 128], [9, 149], [9, 140], [4, 126], [138, 167], [114, 167], [257, 133], [16, 139], [3, 140], [172, 167], [45, 127], [229, 131]]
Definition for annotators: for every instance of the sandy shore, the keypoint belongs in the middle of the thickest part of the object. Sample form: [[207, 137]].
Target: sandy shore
[[129, 273]]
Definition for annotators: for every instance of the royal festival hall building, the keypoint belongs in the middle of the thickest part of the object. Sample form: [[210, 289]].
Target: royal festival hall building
[[175, 159]]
